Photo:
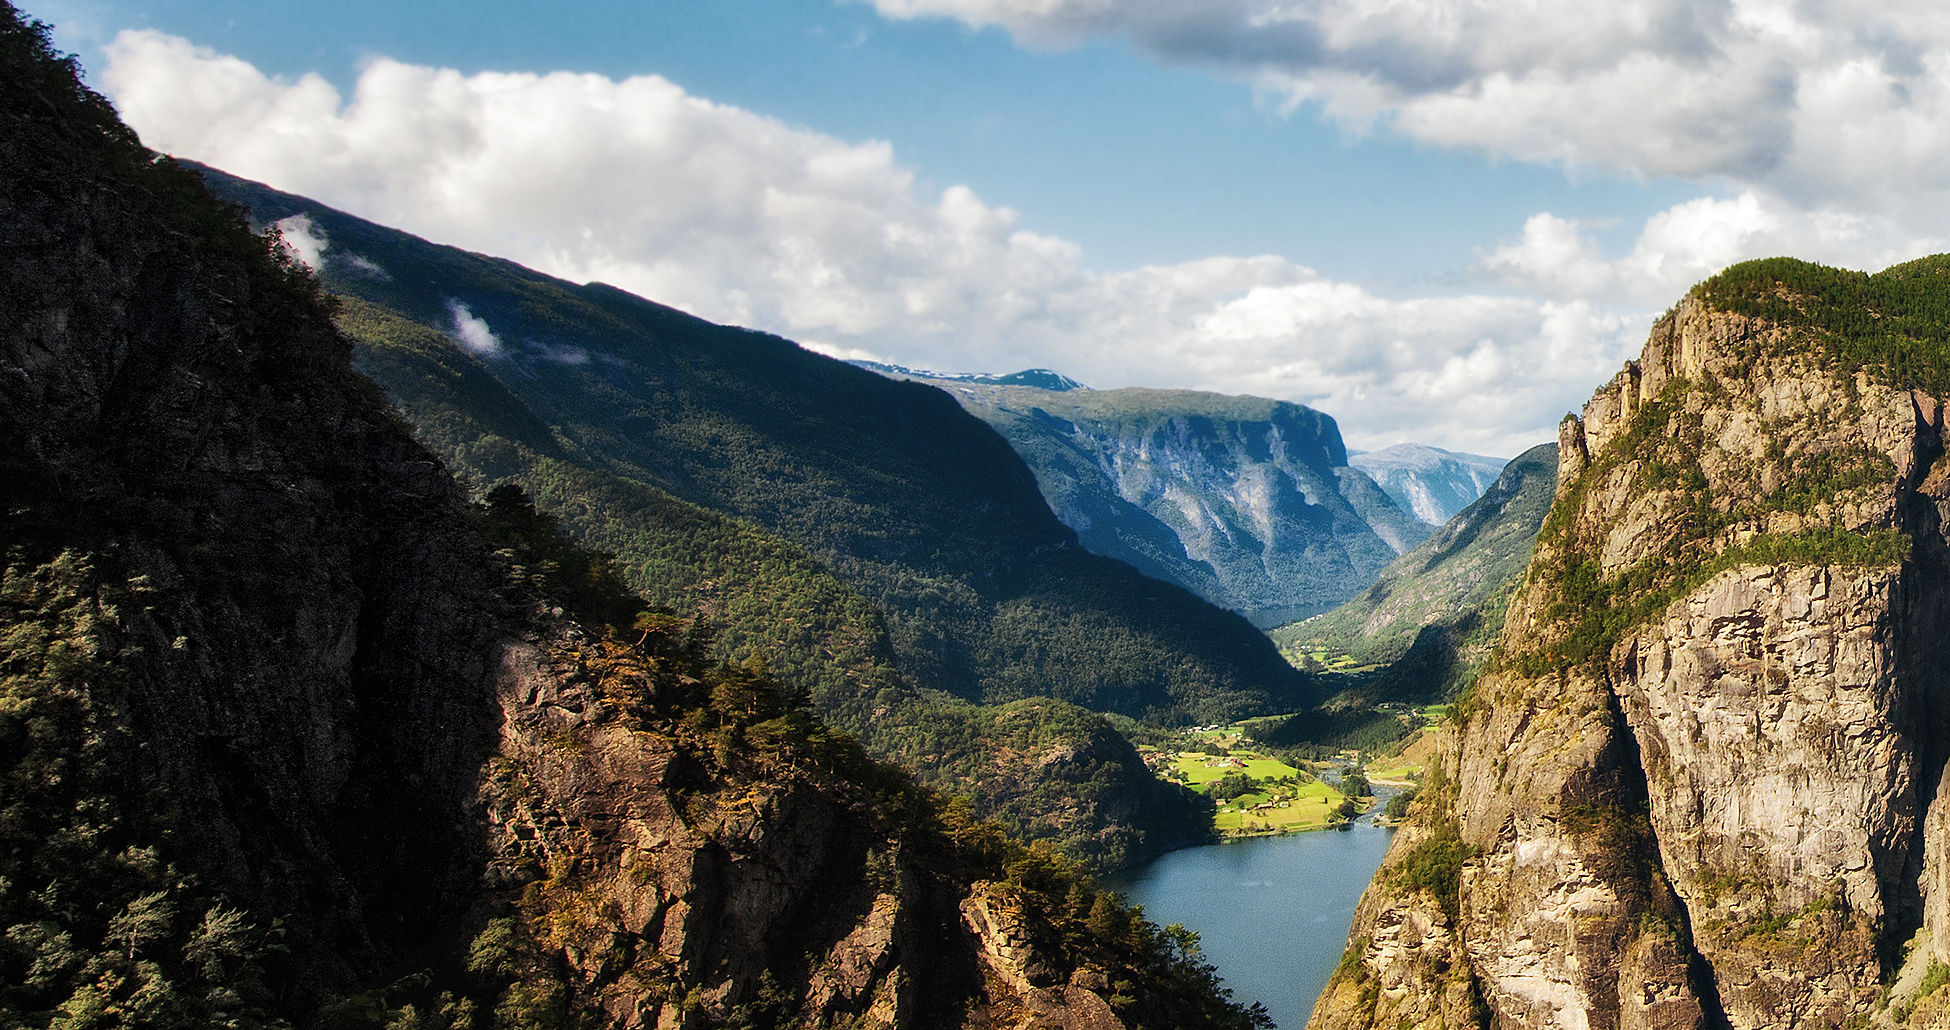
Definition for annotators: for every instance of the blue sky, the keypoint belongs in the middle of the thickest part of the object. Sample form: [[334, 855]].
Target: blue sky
[[1433, 220], [1137, 161]]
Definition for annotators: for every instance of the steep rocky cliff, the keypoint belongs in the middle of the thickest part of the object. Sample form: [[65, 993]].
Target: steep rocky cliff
[[291, 734], [1249, 503], [1700, 785]]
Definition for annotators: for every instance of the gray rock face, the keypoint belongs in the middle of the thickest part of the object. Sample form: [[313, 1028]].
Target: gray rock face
[[1246, 502], [1433, 483], [1702, 783]]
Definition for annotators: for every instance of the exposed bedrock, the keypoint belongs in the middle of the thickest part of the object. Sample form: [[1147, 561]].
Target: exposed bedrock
[[1700, 784]]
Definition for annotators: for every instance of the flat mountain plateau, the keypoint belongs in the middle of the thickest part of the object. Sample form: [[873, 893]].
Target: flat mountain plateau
[[1699, 783]]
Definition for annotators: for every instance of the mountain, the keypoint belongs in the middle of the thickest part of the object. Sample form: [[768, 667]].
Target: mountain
[[1041, 378], [1433, 483], [866, 541], [1701, 782], [1432, 614], [293, 734], [1249, 503], [888, 484]]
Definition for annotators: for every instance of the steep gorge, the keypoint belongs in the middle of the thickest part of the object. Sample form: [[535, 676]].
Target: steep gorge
[[1699, 784]]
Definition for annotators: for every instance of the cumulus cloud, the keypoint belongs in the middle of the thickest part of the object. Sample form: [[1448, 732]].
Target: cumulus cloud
[[1558, 257], [1843, 105], [744, 219], [472, 332]]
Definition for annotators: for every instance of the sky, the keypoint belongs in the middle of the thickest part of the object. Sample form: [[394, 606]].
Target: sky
[[1439, 221]]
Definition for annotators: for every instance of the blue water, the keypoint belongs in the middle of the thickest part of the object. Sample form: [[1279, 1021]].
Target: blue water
[[1272, 913]]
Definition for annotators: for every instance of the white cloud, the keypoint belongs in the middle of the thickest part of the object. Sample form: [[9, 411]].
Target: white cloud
[[744, 219], [1557, 257], [473, 333], [1831, 105], [303, 240]]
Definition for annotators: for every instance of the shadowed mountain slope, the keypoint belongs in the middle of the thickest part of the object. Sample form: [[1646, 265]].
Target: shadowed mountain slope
[[293, 735], [923, 509]]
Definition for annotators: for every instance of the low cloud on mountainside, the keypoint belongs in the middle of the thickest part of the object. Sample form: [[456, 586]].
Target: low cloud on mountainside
[[744, 219]]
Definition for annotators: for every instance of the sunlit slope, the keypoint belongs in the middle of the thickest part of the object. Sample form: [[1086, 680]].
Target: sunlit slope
[[1248, 502]]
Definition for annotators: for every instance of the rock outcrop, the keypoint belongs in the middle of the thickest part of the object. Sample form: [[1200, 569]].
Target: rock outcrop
[[1700, 784]]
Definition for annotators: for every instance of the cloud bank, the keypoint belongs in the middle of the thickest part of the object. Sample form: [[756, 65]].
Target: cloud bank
[[1826, 104], [745, 219]]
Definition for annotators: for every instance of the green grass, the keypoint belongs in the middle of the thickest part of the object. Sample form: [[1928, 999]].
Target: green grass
[[1309, 812], [1192, 764], [1308, 803]]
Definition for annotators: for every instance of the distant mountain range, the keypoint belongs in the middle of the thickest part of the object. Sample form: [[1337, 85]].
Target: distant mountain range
[[1433, 483], [1041, 378], [1432, 614], [1252, 504]]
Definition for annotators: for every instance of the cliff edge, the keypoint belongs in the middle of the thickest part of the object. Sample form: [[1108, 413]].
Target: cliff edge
[[1699, 784]]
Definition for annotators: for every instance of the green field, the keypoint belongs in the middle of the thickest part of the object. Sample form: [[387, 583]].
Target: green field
[[1303, 804], [1309, 807], [1197, 772], [1407, 765]]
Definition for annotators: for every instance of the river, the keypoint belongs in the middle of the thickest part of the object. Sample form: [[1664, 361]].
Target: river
[[1272, 913]]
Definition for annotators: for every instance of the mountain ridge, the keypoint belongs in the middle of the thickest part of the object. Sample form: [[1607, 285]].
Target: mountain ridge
[[293, 734], [750, 582], [816, 490]]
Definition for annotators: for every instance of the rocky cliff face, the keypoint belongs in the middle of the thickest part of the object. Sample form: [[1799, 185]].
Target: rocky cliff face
[[1246, 502], [1700, 787]]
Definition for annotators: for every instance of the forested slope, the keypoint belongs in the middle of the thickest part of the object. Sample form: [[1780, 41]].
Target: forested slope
[[750, 597], [917, 505], [292, 734], [1432, 615]]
